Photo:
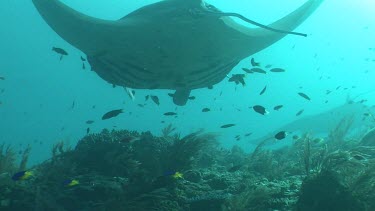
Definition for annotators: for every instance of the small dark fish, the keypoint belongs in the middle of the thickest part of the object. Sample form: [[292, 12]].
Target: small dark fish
[[147, 97], [280, 135], [155, 99], [221, 93], [235, 168], [299, 112], [112, 114], [60, 51], [247, 70], [2, 91], [83, 66], [141, 105], [210, 87], [238, 78], [268, 66], [263, 90], [113, 85], [73, 104], [295, 137], [337, 88], [304, 95], [328, 92], [191, 98], [83, 59], [87, 130], [162, 121], [170, 114], [278, 107], [260, 109], [227, 125], [258, 70], [326, 101], [254, 63], [277, 70], [2, 78], [89, 122], [93, 107], [206, 110], [248, 134], [170, 94]]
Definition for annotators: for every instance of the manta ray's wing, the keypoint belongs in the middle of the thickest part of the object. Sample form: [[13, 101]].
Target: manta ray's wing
[[172, 44]]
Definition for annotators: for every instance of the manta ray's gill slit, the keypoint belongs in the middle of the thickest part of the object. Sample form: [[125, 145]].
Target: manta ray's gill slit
[[214, 76], [115, 74]]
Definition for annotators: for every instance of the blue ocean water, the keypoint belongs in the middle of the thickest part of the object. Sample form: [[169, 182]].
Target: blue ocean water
[[39, 89]]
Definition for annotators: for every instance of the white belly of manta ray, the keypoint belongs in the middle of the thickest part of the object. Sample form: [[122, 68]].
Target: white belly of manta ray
[[173, 44]]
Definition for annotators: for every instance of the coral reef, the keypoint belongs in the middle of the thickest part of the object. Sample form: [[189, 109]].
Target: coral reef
[[127, 170]]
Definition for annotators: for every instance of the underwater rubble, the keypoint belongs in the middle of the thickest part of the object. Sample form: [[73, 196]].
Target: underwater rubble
[[127, 170]]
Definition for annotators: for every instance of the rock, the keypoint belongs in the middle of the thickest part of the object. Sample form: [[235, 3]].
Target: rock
[[218, 183], [193, 176]]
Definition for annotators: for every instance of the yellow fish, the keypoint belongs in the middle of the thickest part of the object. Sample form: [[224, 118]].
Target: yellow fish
[[71, 182], [177, 175], [22, 175]]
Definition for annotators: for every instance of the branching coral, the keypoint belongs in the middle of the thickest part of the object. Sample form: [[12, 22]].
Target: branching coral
[[182, 153], [7, 159], [337, 135]]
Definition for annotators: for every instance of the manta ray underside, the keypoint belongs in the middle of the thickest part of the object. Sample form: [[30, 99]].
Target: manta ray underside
[[172, 44]]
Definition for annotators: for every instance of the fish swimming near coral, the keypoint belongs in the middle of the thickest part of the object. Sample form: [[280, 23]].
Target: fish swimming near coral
[[277, 70], [263, 90], [111, 114], [22, 175], [254, 63], [278, 107], [60, 51], [170, 113], [304, 96], [194, 45], [238, 79], [174, 174], [260, 109], [155, 99], [227, 125], [206, 110], [324, 122], [71, 183]]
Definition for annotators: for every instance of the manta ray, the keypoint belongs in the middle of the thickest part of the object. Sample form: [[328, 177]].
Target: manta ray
[[179, 45]]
